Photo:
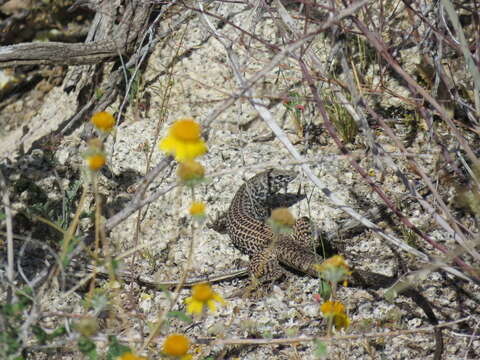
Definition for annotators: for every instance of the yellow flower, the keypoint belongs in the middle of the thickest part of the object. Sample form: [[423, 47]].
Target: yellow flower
[[330, 308], [177, 345], [96, 161], [281, 220], [197, 209], [336, 311], [191, 172], [336, 261], [202, 294], [94, 156], [184, 140], [334, 269], [341, 321], [103, 121], [130, 356], [283, 216]]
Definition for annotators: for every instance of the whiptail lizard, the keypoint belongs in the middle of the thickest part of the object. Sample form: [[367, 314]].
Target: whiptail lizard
[[246, 226]]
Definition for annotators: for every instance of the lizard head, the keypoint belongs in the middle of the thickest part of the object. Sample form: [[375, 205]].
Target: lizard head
[[278, 179], [269, 182]]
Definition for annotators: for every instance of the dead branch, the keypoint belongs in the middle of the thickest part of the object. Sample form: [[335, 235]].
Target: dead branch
[[121, 40]]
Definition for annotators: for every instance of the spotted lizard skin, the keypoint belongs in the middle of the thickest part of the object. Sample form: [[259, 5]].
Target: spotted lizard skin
[[248, 231]]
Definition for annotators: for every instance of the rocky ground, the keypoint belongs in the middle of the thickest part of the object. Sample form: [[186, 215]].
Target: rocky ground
[[190, 73]]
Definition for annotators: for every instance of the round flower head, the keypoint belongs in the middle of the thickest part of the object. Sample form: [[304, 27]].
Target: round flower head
[[177, 345], [197, 209], [281, 221], [87, 326], [94, 156], [334, 269], [191, 172], [103, 121], [96, 161], [336, 311], [341, 321], [184, 140], [329, 308], [202, 294]]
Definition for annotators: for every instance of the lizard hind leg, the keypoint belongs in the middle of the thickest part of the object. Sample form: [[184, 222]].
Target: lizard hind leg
[[264, 266]]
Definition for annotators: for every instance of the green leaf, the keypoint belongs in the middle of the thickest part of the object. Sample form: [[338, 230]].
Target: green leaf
[[267, 334], [115, 265], [40, 334], [99, 302], [320, 349], [58, 332], [10, 342], [87, 347], [98, 93], [25, 296], [115, 349], [325, 290], [164, 289], [71, 246], [72, 192], [180, 315]]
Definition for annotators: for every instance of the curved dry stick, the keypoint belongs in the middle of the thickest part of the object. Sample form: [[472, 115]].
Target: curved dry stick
[[303, 339]]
